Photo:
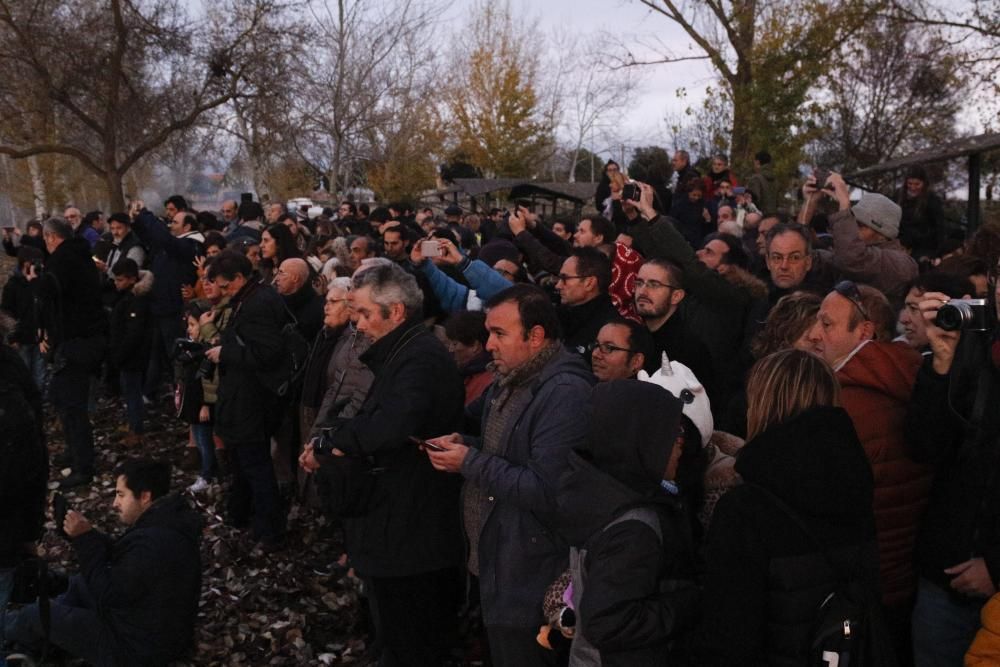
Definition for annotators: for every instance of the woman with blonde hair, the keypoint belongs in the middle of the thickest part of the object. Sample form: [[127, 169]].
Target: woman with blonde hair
[[781, 542]]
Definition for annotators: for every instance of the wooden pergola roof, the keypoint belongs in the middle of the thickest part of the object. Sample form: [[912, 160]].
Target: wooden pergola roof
[[971, 147]]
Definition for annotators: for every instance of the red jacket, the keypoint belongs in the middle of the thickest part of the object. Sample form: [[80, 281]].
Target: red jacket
[[876, 386]]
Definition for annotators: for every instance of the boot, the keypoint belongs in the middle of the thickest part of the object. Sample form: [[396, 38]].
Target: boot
[[191, 460], [132, 440]]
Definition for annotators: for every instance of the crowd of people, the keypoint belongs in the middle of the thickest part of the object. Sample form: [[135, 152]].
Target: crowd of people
[[670, 432]]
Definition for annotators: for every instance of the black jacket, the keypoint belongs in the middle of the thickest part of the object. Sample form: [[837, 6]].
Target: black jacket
[[146, 584], [638, 595], [680, 344], [962, 519], [69, 293], [765, 579], [314, 379], [25, 470], [131, 332], [251, 344], [171, 261], [581, 323], [414, 523], [307, 307], [18, 301]]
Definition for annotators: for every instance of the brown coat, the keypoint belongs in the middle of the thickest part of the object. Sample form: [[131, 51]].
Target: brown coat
[[876, 386]]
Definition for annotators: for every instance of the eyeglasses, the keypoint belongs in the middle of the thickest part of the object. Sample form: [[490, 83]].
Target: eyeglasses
[[563, 278], [607, 348], [849, 290], [222, 285], [335, 301], [652, 284]]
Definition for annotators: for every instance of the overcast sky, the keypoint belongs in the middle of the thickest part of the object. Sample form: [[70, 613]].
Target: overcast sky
[[629, 21]]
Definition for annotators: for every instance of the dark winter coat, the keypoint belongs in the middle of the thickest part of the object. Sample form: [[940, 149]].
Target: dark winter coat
[[922, 227], [146, 584], [581, 323], [520, 552], [251, 344], [765, 578], [316, 378], [764, 188], [413, 523], [69, 293], [131, 332], [635, 591], [683, 345], [18, 301], [25, 470], [689, 219], [171, 262], [307, 308], [962, 519]]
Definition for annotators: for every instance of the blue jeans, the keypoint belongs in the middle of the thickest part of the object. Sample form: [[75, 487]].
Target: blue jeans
[[76, 627], [944, 625], [131, 382], [206, 447], [35, 362]]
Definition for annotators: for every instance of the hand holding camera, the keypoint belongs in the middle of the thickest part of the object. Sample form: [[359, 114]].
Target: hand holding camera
[[945, 332]]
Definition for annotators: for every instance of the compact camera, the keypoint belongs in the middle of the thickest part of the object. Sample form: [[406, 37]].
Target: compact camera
[[963, 315]]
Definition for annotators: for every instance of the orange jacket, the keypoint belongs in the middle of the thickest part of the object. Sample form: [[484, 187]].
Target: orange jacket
[[985, 649], [876, 385]]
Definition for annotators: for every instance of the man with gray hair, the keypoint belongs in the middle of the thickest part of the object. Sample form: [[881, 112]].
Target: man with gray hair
[[72, 324], [406, 539]]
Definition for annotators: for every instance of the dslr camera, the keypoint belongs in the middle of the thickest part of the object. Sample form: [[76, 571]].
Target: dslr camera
[[192, 352], [963, 315]]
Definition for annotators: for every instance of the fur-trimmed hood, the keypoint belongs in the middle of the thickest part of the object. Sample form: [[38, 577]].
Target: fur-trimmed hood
[[145, 284], [745, 280]]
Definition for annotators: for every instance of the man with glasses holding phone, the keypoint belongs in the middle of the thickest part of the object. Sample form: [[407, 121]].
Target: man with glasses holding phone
[[854, 329]]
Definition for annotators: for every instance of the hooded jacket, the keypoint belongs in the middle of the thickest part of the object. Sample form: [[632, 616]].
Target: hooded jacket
[[764, 189], [876, 385], [146, 584], [765, 578], [633, 588]]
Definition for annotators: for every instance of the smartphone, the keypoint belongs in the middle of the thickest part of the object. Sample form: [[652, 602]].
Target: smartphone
[[821, 176], [429, 445], [430, 248], [631, 191], [59, 509]]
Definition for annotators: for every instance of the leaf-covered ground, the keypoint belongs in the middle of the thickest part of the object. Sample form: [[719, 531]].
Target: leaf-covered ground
[[255, 608]]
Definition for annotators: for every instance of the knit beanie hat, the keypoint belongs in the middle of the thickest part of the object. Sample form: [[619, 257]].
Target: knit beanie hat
[[498, 249], [678, 379], [878, 212]]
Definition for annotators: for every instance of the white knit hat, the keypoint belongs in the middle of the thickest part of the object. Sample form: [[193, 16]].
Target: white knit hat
[[678, 379]]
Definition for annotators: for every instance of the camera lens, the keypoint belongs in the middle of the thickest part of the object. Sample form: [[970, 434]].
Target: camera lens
[[952, 316]]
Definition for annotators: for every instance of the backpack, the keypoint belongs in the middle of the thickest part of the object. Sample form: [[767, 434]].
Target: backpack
[[849, 629], [286, 375]]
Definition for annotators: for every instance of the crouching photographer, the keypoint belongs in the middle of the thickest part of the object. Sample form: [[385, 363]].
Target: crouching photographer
[[954, 425], [136, 598]]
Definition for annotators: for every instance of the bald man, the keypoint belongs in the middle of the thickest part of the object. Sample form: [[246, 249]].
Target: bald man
[[294, 284]]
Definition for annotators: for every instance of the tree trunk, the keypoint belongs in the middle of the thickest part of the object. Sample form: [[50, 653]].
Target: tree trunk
[[39, 196], [116, 195], [740, 149]]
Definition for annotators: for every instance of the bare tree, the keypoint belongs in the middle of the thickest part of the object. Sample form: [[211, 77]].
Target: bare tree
[[363, 62], [138, 73], [594, 96]]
